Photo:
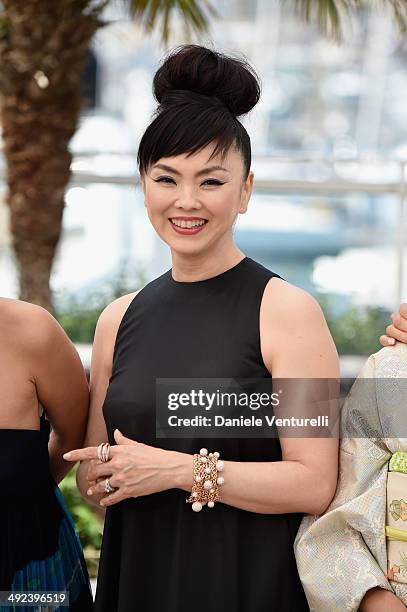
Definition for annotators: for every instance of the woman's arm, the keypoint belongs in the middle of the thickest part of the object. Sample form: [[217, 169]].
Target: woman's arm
[[101, 370], [61, 387], [304, 481], [295, 343]]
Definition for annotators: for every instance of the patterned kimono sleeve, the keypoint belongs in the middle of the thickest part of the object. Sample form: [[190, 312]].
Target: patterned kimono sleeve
[[342, 554]]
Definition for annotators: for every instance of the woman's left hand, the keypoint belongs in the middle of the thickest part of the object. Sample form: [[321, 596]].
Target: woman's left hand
[[134, 469]]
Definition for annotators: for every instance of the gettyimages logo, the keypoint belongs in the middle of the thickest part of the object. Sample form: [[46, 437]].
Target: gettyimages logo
[[246, 408], [219, 398]]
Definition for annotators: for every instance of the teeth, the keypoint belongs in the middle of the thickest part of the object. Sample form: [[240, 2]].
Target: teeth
[[187, 224]]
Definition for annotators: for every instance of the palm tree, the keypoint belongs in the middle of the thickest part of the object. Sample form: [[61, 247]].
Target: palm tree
[[43, 52]]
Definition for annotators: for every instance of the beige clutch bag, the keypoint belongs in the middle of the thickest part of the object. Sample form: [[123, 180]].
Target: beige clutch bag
[[396, 518]]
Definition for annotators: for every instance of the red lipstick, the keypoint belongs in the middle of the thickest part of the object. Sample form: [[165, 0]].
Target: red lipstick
[[187, 231]]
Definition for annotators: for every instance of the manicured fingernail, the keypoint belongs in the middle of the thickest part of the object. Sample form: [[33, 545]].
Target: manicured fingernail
[[67, 456], [391, 341], [89, 492]]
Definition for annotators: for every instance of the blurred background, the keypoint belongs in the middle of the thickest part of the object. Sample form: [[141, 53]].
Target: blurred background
[[329, 141]]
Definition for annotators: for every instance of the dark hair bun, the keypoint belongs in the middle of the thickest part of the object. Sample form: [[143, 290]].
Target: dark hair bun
[[193, 69]]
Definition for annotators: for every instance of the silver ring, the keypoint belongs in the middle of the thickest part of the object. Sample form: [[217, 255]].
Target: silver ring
[[108, 486]]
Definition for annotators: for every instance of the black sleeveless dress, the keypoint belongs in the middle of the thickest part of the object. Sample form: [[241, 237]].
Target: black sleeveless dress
[[39, 547], [157, 554]]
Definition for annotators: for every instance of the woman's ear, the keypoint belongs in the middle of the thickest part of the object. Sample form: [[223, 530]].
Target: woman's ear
[[246, 193]]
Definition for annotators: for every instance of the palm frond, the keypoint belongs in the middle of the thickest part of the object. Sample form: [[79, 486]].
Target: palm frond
[[400, 13], [210, 8], [330, 14], [194, 13]]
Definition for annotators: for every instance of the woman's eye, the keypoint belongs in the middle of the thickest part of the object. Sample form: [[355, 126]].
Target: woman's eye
[[164, 179], [168, 181], [212, 182]]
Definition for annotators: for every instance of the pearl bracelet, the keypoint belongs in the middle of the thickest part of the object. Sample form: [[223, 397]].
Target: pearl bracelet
[[205, 488]]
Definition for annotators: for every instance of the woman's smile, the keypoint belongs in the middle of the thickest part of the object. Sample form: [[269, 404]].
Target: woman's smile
[[188, 225]]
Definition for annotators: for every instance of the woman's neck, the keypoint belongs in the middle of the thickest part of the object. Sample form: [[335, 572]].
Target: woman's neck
[[190, 268]]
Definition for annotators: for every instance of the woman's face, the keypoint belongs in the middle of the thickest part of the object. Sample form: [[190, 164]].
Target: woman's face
[[192, 202]]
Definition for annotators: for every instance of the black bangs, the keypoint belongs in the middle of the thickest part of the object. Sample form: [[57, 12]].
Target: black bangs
[[189, 126]]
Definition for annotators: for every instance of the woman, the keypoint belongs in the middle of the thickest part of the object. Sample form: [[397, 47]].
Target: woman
[[215, 314], [42, 384], [357, 548], [347, 544]]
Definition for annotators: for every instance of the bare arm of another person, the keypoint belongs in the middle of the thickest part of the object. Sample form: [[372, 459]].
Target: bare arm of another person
[[101, 370], [61, 387]]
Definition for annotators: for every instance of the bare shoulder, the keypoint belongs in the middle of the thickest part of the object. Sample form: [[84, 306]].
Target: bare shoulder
[[295, 339], [112, 315], [106, 333], [288, 303], [31, 324], [17, 312]]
